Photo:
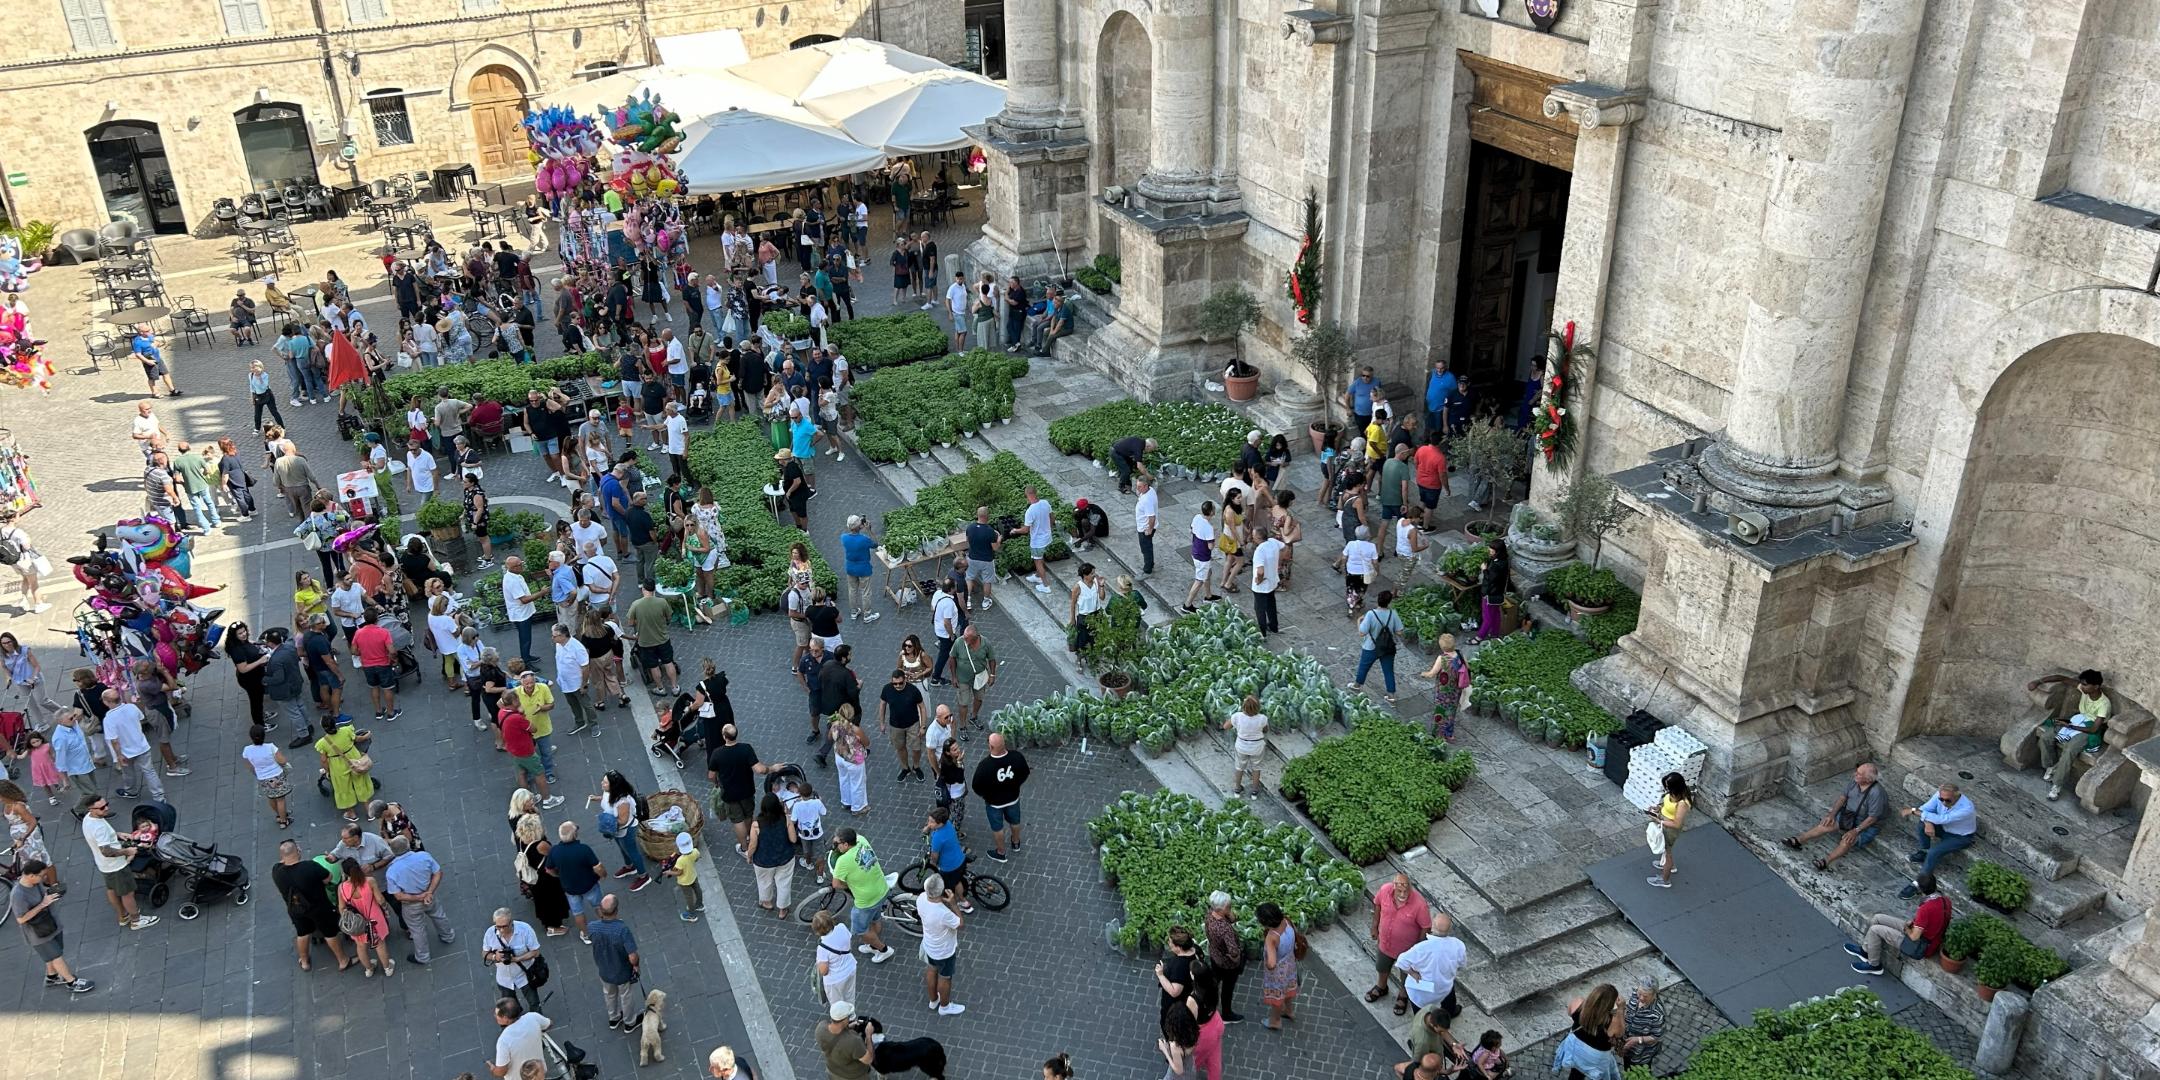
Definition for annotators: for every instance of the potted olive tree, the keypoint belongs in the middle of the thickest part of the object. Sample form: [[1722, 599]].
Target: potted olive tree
[[1118, 640], [1588, 508], [1324, 351], [1228, 312], [1498, 459]]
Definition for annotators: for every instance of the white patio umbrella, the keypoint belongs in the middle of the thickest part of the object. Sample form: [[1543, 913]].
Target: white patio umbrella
[[833, 67], [741, 149], [919, 113]]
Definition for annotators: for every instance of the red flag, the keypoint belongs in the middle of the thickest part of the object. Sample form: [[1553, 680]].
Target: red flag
[[345, 363]]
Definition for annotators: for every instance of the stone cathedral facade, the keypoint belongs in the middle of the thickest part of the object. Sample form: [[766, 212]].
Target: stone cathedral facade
[[1877, 273]]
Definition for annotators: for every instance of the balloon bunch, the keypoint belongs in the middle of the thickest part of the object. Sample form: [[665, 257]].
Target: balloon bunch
[[644, 135], [140, 595], [561, 147], [14, 269], [20, 362]]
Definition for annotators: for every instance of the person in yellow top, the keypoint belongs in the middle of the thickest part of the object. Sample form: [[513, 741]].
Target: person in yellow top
[[1376, 437], [309, 597], [534, 699], [685, 873], [1670, 814], [2075, 724]]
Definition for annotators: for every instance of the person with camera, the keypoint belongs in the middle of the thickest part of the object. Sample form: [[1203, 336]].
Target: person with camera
[[514, 949], [848, 1042]]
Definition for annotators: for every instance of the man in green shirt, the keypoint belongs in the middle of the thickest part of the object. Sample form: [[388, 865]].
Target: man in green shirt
[[974, 673], [193, 474], [648, 616], [1397, 486], [856, 867], [845, 1042]]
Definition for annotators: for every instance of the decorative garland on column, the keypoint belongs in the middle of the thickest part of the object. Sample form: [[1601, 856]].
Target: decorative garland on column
[[1552, 424], [1305, 272]]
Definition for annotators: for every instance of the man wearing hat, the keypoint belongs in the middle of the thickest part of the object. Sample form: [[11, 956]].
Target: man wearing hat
[[684, 871], [1090, 524], [846, 1042]]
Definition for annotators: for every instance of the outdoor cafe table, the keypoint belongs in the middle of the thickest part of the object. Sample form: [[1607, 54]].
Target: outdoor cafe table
[[493, 214], [137, 316], [408, 233]]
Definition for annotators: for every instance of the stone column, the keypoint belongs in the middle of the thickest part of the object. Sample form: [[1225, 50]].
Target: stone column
[[1033, 98], [1844, 109], [1181, 144]]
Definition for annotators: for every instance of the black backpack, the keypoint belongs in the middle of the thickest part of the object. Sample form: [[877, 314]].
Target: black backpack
[[1383, 639]]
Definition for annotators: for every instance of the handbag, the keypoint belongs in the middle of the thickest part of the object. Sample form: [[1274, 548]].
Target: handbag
[[360, 763], [352, 924], [1912, 948], [1654, 835], [312, 540], [537, 972], [982, 676]]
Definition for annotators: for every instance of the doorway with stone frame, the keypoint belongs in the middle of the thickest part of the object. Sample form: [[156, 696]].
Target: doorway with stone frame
[[1124, 93], [1514, 209]]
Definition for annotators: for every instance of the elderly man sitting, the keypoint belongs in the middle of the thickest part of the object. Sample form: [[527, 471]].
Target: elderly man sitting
[[1947, 824], [1857, 817]]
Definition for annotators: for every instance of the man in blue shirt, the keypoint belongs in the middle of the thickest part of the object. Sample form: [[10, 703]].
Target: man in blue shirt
[[413, 877], [1439, 386], [803, 435], [946, 852], [983, 543], [615, 955], [1360, 396], [562, 581], [1947, 823], [615, 500]]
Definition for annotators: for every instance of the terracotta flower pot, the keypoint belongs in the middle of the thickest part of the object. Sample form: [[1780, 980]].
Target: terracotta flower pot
[[1949, 965], [1243, 387], [1987, 993]]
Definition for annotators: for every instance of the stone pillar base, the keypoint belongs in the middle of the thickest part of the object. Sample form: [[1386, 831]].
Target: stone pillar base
[[1151, 347], [1035, 194], [1530, 559]]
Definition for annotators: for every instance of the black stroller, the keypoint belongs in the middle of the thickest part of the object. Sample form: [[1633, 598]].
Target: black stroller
[[207, 874]]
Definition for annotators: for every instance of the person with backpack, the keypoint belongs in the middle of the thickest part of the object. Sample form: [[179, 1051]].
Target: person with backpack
[[1378, 633], [29, 564]]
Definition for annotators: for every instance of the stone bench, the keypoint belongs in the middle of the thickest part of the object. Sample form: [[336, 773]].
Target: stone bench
[[2103, 781]]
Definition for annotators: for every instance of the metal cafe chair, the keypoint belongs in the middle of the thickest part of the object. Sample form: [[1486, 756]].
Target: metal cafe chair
[[103, 346]]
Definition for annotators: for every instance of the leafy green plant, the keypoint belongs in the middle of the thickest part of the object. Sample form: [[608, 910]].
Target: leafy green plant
[[895, 406], [516, 526], [1109, 266], [1605, 629], [437, 513], [36, 237], [1463, 563], [673, 573], [1227, 312], [2000, 965], [735, 460], [1118, 638], [944, 507], [1528, 674], [1167, 852], [1997, 885], [788, 325], [1493, 454], [486, 597], [1968, 934], [1324, 351], [1377, 789], [389, 495], [502, 381], [1588, 508], [1202, 436], [884, 340], [1094, 280], [1586, 585], [1844, 1036]]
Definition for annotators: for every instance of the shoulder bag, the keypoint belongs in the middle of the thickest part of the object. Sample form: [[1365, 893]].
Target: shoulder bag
[[982, 675]]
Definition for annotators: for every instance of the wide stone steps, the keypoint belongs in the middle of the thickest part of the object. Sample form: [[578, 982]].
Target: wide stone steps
[[1576, 958], [2053, 838]]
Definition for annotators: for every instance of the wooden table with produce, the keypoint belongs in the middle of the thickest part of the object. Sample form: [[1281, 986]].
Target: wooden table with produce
[[904, 567]]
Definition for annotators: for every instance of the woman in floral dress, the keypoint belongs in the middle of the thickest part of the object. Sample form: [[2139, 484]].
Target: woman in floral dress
[[1451, 682], [1278, 973]]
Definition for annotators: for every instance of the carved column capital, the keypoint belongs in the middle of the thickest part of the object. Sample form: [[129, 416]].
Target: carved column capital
[[1314, 26], [1594, 105]]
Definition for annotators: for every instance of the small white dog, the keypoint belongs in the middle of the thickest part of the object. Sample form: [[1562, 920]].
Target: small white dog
[[648, 1049]]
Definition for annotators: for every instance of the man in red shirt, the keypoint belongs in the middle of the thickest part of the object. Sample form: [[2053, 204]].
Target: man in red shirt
[[1400, 917], [378, 661], [1916, 938], [524, 753], [1430, 465]]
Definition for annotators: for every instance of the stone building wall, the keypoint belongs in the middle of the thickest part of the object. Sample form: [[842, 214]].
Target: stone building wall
[[175, 66]]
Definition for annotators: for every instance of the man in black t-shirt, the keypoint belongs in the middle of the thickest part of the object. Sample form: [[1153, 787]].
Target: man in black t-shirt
[[320, 654], [733, 767], [983, 542], [900, 717], [998, 777], [1127, 455], [795, 487], [305, 885]]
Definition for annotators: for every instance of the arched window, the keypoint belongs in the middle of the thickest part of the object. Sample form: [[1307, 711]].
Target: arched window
[[813, 39]]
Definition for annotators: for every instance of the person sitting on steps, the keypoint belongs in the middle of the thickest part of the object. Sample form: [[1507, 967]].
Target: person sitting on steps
[[1857, 817], [2070, 717]]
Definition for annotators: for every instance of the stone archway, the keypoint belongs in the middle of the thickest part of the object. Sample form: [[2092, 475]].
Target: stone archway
[[1125, 84], [2054, 554]]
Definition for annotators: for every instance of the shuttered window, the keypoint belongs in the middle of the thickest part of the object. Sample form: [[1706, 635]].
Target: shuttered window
[[88, 25], [243, 17]]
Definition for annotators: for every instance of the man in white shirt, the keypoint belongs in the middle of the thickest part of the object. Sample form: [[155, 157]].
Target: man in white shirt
[[599, 576], [1266, 577], [571, 660], [938, 908], [130, 747], [511, 945], [420, 469], [1250, 724], [520, 1040], [1145, 508], [1036, 524], [348, 605], [715, 298], [518, 605], [956, 303], [145, 429], [939, 732], [862, 228], [675, 428], [1429, 967], [678, 361], [818, 319], [945, 625], [112, 855], [585, 530]]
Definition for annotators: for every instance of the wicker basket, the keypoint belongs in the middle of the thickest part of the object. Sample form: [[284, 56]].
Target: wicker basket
[[660, 846]]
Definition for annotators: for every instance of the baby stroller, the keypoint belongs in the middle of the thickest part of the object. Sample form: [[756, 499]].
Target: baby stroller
[[668, 741], [401, 642], [207, 874]]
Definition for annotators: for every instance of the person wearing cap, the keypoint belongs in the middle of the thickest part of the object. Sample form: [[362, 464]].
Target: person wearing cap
[[684, 871], [846, 1042], [794, 487], [1091, 523]]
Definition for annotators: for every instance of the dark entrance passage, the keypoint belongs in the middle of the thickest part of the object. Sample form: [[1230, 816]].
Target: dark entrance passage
[[1512, 218], [275, 144], [135, 177]]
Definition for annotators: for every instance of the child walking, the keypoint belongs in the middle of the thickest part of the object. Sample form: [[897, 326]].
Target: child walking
[[685, 871]]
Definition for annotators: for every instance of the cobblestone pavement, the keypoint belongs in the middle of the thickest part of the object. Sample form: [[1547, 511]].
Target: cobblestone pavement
[[220, 996]]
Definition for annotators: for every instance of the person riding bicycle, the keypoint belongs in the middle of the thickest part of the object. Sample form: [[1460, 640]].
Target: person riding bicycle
[[946, 852], [855, 867]]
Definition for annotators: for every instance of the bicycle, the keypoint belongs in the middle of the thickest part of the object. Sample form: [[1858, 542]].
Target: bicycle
[[840, 903], [988, 890]]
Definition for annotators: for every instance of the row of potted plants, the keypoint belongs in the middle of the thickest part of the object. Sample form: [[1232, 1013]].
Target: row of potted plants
[[1100, 275], [945, 508], [1525, 678], [1202, 437], [1166, 852], [735, 460], [1843, 1036], [2001, 956], [909, 409], [502, 381], [1379, 788], [880, 341]]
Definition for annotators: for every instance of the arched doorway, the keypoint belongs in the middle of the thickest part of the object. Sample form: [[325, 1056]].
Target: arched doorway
[[2054, 555], [811, 39], [1124, 63], [135, 177], [274, 142], [497, 96]]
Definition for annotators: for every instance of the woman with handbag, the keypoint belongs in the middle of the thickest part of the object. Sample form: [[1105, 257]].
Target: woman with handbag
[[351, 781], [360, 917], [1668, 817], [550, 904], [1451, 684], [851, 759]]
